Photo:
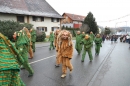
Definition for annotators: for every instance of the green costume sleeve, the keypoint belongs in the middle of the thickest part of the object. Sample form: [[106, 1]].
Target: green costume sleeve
[[33, 36]]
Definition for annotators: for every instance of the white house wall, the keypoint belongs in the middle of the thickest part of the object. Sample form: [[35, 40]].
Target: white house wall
[[46, 23], [7, 17]]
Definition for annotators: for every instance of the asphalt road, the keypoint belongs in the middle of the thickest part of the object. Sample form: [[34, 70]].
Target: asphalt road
[[84, 73]]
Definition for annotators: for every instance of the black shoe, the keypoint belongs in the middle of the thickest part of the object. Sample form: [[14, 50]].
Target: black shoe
[[22, 68], [57, 65], [30, 75], [82, 60]]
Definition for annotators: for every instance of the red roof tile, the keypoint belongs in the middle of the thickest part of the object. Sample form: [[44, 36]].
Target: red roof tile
[[75, 17]]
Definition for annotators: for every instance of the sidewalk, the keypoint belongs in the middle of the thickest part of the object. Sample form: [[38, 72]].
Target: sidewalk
[[116, 69]]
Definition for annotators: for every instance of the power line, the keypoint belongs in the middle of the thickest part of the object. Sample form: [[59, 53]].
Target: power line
[[116, 18]]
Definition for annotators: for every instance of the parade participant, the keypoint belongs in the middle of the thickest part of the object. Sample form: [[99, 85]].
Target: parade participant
[[22, 45], [87, 42], [9, 63], [28, 37], [79, 38], [51, 39], [92, 36], [56, 45], [65, 51], [83, 34], [33, 38], [98, 43], [103, 38]]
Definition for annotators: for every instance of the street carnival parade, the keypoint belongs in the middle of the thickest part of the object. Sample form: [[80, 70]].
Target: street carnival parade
[[40, 47]]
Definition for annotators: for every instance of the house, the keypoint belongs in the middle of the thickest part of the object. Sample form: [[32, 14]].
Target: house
[[72, 20], [36, 12]]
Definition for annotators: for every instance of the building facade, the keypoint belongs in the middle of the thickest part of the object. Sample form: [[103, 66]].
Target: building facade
[[72, 20], [40, 14]]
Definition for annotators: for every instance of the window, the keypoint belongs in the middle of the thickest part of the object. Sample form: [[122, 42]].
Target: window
[[54, 28], [20, 18], [40, 19], [41, 29], [54, 20]]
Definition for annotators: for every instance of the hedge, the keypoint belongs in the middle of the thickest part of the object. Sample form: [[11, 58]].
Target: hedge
[[40, 36], [9, 27]]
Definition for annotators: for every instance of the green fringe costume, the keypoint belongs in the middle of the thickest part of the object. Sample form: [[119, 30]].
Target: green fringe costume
[[22, 44], [98, 43], [33, 39], [87, 48], [79, 38], [92, 36], [9, 64], [51, 39]]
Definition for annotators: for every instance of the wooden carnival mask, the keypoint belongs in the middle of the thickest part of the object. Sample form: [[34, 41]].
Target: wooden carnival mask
[[86, 37], [65, 35]]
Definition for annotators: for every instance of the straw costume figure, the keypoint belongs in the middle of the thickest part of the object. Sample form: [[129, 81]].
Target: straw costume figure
[[65, 51], [56, 45], [28, 35]]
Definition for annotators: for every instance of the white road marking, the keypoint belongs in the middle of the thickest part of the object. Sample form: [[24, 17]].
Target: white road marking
[[42, 59]]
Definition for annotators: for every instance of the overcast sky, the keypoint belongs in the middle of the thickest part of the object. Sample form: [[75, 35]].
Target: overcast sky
[[103, 10]]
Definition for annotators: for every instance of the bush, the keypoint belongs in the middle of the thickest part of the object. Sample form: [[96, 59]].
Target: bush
[[40, 36], [9, 27]]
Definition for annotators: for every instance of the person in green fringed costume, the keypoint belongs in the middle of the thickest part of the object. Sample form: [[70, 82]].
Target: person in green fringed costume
[[51, 39], [92, 36], [98, 43], [33, 38], [10, 61], [22, 44], [87, 42], [79, 38]]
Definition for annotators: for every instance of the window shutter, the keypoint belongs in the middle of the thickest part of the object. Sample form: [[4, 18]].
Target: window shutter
[[34, 18], [37, 28], [52, 20], [45, 29], [57, 20], [52, 28], [42, 18]]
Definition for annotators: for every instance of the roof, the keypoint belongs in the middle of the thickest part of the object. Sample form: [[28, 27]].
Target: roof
[[75, 17], [28, 7]]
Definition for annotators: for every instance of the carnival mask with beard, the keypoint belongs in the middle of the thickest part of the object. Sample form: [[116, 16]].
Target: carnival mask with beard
[[65, 35]]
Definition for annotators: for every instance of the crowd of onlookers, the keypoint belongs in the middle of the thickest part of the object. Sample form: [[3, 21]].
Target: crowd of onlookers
[[124, 38], [112, 38]]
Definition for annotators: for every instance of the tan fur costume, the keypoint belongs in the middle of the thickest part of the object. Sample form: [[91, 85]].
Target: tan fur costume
[[29, 36], [65, 50], [56, 44]]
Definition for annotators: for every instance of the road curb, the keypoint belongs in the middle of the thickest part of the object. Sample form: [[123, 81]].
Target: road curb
[[100, 67]]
